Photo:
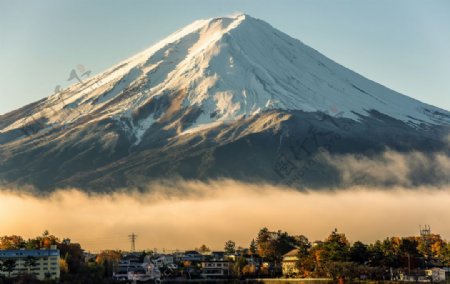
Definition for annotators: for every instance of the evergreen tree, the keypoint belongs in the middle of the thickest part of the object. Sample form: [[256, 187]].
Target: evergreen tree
[[359, 253], [230, 247], [253, 247]]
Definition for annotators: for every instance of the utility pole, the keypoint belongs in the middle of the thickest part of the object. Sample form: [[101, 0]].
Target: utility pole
[[133, 238]]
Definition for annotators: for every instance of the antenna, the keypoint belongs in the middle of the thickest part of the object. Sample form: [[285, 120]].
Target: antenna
[[425, 234], [133, 238]]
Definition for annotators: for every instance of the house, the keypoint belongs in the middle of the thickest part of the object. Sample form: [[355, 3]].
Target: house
[[124, 266], [436, 274], [217, 255], [192, 255], [162, 260], [213, 269], [289, 263], [43, 263]]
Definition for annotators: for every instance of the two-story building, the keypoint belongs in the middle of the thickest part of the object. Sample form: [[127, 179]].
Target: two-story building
[[289, 263], [213, 269]]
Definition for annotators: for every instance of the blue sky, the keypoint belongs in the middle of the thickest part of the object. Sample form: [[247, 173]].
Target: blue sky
[[402, 44]]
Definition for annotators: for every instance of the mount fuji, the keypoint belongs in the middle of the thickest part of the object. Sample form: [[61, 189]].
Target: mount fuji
[[228, 97]]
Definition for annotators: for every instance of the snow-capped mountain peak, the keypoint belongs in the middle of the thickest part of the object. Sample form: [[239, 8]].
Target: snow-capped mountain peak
[[224, 68]]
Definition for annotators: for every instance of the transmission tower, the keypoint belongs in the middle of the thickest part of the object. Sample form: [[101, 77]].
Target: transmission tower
[[425, 234], [133, 238]]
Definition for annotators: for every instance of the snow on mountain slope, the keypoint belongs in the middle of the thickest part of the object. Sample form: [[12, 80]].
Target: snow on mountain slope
[[227, 68]]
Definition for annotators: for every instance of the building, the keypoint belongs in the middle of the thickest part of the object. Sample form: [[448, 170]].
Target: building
[[43, 263], [289, 263], [192, 255], [215, 269], [436, 274]]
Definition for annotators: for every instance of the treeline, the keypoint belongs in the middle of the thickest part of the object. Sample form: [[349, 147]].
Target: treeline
[[336, 257]]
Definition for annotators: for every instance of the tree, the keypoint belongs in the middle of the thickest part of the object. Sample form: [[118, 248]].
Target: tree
[[305, 263], [11, 242], [272, 245], [340, 270], [253, 247], [409, 246], [284, 243], [230, 247], [44, 241], [72, 253], [336, 247], [376, 255], [238, 266], [108, 259], [9, 265], [303, 245], [359, 253], [30, 261], [264, 244], [445, 254], [203, 249]]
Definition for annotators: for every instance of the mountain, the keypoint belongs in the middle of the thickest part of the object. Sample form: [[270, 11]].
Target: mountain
[[227, 97]]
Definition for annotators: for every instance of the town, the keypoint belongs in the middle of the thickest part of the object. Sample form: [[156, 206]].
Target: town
[[270, 255]]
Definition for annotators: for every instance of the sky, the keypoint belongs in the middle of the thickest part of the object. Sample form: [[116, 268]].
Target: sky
[[403, 44]]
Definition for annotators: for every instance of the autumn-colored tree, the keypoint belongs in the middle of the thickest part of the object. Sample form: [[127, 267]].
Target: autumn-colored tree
[[44, 241], [72, 253], [108, 259], [445, 254], [11, 242], [63, 266], [273, 245], [48, 240], [264, 243], [238, 266], [249, 270], [430, 246]]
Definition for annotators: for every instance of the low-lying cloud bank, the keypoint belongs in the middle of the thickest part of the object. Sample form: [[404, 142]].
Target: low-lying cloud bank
[[385, 195], [186, 214], [393, 168]]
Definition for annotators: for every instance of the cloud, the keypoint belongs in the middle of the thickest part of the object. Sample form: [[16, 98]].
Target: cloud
[[392, 168], [186, 214]]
